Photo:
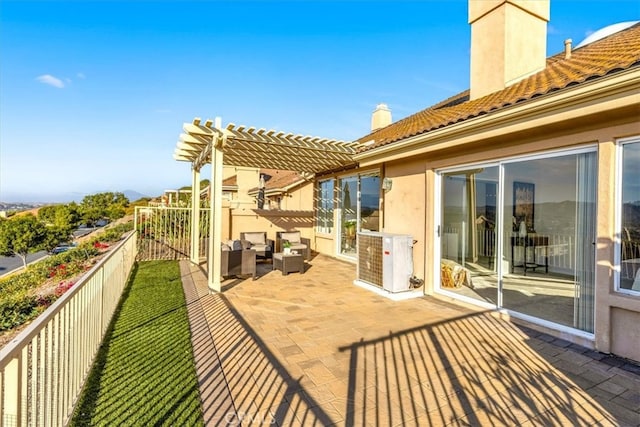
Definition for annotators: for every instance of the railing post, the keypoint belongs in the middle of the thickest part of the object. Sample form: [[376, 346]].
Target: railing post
[[195, 217], [102, 300], [11, 407]]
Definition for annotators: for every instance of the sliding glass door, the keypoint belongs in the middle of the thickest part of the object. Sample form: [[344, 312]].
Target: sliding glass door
[[359, 208], [551, 258], [521, 234], [468, 236]]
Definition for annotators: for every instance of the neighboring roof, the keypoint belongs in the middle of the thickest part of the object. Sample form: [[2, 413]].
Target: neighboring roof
[[617, 52], [605, 32], [279, 180], [230, 181]]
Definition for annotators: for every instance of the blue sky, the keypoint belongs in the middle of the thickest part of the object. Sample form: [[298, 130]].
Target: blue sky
[[93, 94]]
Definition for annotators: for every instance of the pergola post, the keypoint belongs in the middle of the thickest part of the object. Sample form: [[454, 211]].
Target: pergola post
[[215, 230], [195, 216]]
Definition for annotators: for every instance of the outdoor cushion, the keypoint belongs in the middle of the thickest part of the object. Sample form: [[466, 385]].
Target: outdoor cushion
[[298, 246], [234, 245], [261, 248], [245, 244], [292, 237], [255, 238], [225, 247]]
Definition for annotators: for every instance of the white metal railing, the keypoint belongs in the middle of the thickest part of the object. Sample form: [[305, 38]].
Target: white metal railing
[[560, 251], [43, 370], [630, 258], [164, 233]]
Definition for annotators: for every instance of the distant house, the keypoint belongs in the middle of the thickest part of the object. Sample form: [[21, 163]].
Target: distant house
[[283, 190], [287, 204]]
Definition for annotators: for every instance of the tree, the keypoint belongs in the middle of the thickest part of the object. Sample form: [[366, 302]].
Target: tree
[[23, 235], [47, 214], [103, 205], [63, 218]]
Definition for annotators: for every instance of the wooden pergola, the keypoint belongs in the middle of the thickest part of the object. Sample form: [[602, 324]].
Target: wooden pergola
[[210, 143]]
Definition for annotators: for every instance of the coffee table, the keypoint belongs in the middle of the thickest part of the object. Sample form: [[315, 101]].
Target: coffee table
[[288, 263]]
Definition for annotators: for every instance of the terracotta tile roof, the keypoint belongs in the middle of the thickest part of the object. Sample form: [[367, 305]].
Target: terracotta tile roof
[[617, 52], [279, 179], [230, 181]]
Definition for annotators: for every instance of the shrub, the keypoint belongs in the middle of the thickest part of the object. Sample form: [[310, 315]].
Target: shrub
[[62, 288], [17, 309]]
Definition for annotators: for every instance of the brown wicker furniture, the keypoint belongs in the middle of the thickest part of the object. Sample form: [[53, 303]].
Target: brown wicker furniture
[[298, 243], [240, 262], [288, 263], [260, 243]]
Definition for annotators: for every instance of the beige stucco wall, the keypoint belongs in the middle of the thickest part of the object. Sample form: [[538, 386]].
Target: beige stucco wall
[[299, 198], [325, 244], [625, 333], [405, 206], [246, 178]]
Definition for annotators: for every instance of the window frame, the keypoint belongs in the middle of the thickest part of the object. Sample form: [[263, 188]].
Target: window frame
[[617, 255], [319, 192]]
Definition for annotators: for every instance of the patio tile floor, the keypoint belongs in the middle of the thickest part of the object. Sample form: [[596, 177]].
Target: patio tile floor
[[314, 349]]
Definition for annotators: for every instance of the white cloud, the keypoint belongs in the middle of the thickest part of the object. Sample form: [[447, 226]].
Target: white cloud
[[48, 79]]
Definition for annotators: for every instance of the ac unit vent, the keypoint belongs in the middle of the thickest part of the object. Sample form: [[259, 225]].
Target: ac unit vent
[[370, 259], [385, 260]]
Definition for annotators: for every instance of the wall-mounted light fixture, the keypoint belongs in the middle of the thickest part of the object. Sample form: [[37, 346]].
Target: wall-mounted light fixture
[[386, 184]]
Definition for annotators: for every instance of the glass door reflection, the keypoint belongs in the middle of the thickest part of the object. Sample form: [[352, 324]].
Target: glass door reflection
[[349, 216], [468, 240]]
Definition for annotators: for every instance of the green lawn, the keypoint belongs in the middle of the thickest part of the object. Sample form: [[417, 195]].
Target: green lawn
[[144, 373]]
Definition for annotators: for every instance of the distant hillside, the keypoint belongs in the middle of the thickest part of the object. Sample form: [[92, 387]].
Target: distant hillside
[[133, 195]]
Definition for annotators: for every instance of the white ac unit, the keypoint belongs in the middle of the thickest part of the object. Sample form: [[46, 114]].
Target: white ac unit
[[385, 260]]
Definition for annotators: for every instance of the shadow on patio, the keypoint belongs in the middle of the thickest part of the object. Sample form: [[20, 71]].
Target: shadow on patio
[[471, 370], [314, 349]]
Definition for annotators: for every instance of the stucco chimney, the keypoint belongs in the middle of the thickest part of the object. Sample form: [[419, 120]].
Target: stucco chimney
[[567, 49], [381, 117], [508, 42]]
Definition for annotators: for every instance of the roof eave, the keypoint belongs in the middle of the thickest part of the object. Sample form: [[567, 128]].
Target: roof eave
[[621, 88]]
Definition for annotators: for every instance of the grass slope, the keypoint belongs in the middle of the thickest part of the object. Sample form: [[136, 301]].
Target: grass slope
[[144, 372]]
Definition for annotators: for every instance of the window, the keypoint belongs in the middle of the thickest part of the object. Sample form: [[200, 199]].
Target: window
[[324, 213], [629, 218], [359, 203]]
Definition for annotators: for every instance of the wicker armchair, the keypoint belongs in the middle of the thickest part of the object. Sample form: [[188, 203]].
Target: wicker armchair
[[298, 243], [259, 243], [239, 262]]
